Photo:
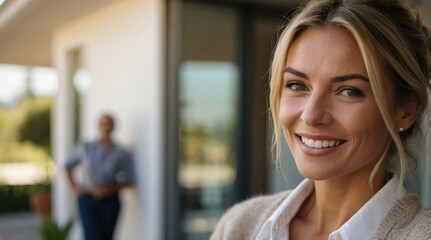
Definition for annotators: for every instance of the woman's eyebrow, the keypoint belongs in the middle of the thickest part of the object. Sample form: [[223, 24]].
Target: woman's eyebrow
[[349, 77], [296, 72], [334, 79]]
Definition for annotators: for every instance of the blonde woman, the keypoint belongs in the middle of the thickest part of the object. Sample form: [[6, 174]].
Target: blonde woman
[[348, 89]]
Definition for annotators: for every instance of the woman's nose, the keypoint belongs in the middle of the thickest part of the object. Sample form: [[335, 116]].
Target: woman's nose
[[316, 110]]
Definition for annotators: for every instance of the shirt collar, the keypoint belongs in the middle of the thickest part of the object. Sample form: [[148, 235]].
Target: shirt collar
[[364, 223], [287, 210], [361, 226]]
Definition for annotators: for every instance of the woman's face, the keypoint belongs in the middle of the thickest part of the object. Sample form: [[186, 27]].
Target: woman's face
[[327, 108]]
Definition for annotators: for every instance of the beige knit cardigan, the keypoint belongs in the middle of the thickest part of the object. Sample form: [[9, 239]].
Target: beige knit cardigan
[[405, 221]]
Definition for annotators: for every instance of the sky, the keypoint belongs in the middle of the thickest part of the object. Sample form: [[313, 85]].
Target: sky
[[43, 81]]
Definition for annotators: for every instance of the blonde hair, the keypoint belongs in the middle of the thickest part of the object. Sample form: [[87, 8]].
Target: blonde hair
[[392, 41]]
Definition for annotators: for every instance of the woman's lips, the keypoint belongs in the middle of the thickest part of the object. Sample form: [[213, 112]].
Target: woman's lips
[[318, 145]]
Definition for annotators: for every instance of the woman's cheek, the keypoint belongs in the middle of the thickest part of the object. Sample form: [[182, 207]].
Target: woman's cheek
[[289, 112]]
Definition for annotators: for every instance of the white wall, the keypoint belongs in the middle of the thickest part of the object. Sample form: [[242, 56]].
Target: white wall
[[122, 47]]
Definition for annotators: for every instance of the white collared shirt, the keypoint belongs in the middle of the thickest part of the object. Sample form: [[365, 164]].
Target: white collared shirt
[[360, 226]]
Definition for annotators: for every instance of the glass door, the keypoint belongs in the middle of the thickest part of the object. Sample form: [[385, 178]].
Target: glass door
[[208, 95], [218, 143]]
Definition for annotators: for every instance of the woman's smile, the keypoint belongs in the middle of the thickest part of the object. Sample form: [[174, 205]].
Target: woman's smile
[[318, 145]]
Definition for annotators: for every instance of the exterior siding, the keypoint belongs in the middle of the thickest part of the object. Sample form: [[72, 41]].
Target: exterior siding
[[122, 47]]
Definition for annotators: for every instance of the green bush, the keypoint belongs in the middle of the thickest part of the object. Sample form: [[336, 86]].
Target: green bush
[[50, 230], [44, 187], [15, 198]]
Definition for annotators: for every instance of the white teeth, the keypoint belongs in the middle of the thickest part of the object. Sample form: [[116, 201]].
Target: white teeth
[[310, 142], [331, 143], [320, 143], [325, 143]]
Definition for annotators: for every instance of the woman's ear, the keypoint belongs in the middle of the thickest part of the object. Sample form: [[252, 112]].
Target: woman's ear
[[407, 112]]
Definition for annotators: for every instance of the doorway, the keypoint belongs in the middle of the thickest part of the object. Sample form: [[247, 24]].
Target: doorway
[[219, 127]]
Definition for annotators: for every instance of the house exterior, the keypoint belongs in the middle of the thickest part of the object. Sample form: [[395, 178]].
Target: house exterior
[[186, 81], [125, 81]]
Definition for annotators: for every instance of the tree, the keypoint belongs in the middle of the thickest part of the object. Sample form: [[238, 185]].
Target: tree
[[36, 126]]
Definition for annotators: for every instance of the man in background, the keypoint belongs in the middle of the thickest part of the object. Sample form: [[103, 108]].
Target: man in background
[[107, 169]]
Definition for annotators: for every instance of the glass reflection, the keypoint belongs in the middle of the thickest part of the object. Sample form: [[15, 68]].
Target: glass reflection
[[208, 93]]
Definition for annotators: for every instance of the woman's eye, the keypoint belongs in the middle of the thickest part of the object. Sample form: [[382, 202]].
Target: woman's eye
[[296, 86], [351, 92]]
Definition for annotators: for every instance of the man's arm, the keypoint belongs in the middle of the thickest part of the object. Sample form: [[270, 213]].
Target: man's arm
[[78, 190]]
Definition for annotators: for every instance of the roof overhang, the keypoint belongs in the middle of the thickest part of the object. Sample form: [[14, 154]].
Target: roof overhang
[[26, 27]]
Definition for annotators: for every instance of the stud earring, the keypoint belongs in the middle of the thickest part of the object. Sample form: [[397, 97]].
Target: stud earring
[[401, 129]]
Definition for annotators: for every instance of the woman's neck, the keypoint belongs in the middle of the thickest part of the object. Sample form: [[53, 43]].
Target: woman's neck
[[335, 201]]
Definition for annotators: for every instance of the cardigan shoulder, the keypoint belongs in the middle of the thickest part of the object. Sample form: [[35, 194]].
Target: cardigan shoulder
[[244, 220], [406, 220]]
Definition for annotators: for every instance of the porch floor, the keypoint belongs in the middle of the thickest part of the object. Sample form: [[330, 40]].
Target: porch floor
[[19, 226]]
